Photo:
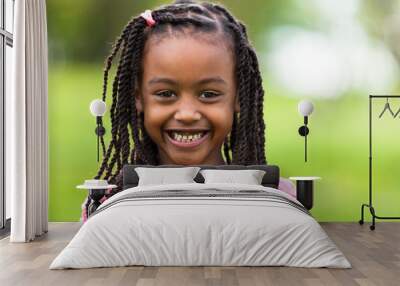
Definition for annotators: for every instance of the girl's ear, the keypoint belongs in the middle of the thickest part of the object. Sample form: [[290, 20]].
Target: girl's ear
[[138, 102], [237, 104]]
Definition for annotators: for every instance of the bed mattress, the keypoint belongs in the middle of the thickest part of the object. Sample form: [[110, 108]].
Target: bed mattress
[[198, 224]]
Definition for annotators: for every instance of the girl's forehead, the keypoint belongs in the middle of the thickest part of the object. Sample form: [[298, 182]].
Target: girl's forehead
[[192, 38], [187, 56]]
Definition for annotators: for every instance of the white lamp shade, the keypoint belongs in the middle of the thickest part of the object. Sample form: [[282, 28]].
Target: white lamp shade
[[98, 107], [305, 107]]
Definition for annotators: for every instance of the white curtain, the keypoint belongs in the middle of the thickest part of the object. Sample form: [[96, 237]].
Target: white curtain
[[26, 124]]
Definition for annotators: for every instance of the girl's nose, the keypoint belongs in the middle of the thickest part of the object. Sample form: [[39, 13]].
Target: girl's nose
[[187, 115]]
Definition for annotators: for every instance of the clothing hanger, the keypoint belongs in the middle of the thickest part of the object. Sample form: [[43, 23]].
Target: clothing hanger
[[398, 111], [387, 107]]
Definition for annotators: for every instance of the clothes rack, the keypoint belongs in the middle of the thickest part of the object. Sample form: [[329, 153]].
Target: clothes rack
[[369, 205]]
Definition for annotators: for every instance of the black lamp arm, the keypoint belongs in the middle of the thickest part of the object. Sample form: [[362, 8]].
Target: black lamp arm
[[99, 120], [100, 131]]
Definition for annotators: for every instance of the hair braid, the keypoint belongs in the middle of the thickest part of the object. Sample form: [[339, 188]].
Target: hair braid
[[112, 55], [253, 94], [226, 151], [115, 110], [129, 72], [114, 126], [243, 82], [151, 147], [127, 76], [243, 78], [233, 136], [259, 99]]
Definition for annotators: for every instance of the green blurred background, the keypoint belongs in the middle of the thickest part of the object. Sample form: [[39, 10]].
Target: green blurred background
[[334, 53]]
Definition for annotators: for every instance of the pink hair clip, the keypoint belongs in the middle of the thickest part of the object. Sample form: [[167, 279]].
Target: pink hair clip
[[149, 19]]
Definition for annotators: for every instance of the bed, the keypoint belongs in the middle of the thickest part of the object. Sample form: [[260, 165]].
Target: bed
[[201, 223]]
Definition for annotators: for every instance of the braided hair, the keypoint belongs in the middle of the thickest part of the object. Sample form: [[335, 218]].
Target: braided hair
[[245, 143]]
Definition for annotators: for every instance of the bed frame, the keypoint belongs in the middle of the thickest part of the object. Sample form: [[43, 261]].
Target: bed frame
[[270, 179]]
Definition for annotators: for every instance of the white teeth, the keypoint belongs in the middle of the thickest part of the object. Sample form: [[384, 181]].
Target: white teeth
[[178, 136]]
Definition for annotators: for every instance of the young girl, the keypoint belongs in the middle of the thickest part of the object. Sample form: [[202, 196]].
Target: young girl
[[187, 91]]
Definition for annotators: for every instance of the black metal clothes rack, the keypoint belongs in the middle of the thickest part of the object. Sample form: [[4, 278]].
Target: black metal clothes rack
[[369, 205]]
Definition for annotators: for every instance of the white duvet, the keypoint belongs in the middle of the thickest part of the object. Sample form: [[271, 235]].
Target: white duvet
[[184, 230]]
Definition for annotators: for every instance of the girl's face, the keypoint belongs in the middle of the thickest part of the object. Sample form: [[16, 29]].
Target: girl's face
[[188, 97]]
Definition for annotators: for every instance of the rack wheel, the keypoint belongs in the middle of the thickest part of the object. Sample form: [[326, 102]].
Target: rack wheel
[[361, 222], [372, 227]]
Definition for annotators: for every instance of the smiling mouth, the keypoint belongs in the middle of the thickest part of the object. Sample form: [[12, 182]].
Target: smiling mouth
[[183, 138]]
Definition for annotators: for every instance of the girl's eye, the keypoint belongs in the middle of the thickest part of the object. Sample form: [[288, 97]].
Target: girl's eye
[[165, 94], [209, 94]]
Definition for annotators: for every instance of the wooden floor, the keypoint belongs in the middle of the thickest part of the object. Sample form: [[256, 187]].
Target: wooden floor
[[374, 255]]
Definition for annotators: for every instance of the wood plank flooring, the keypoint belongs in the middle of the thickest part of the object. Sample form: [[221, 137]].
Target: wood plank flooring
[[374, 255]]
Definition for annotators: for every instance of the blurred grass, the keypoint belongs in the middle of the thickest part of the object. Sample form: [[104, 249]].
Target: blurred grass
[[338, 146]]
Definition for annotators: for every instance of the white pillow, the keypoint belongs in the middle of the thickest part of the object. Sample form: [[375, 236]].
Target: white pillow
[[249, 177], [162, 176]]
